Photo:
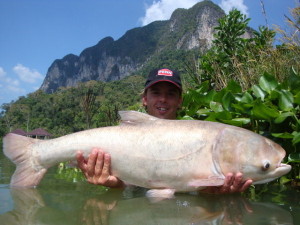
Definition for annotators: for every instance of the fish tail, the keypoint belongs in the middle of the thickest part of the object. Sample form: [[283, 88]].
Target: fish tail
[[19, 150]]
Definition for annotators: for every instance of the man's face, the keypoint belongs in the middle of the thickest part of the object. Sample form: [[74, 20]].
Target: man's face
[[162, 100]]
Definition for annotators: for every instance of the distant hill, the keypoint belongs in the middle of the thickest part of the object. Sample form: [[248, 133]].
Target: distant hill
[[139, 48]]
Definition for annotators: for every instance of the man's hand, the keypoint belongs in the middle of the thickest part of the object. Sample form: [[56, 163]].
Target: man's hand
[[96, 169], [232, 184]]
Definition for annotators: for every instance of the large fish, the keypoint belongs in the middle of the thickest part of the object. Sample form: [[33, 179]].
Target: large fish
[[182, 155]]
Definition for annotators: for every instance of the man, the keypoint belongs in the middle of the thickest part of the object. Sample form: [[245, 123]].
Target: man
[[162, 98]]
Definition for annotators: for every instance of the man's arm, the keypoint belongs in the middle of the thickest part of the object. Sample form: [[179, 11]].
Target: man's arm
[[96, 169]]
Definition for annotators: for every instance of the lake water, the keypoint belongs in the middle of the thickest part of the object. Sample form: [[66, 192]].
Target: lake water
[[57, 201]]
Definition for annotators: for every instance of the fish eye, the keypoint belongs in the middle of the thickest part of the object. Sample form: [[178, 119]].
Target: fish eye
[[266, 166]]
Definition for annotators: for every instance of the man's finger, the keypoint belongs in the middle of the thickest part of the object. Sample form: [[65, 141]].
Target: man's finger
[[91, 162], [106, 165], [99, 163], [80, 160], [246, 185]]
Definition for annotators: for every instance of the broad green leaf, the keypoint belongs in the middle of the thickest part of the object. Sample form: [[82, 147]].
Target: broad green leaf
[[284, 180], [274, 94], [258, 92], [261, 111], [281, 118], [242, 108], [247, 98], [233, 87], [219, 95], [297, 98], [224, 115], [216, 106], [204, 86], [294, 157], [244, 121], [294, 81], [237, 121], [296, 138], [227, 100], [203, 112], [267, 82], [186, 118], [283, 135], [233, 122], [209, 96], [286, 100], [211, 117]]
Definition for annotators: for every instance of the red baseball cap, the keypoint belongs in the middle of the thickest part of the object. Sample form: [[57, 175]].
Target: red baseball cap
[[159, 75]]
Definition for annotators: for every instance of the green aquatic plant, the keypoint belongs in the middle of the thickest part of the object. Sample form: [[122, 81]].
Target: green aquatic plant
[[270, 108]]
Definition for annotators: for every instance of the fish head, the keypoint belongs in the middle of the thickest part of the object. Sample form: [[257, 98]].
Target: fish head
[[264, 164], [257, 157]]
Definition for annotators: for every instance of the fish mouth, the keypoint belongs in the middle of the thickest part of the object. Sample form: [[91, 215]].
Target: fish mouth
[[283, 167], [280, 170]]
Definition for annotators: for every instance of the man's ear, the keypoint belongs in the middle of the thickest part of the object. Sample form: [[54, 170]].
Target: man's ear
[[144, 100]]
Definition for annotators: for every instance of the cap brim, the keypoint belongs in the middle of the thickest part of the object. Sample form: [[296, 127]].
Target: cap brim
[[157, 81]]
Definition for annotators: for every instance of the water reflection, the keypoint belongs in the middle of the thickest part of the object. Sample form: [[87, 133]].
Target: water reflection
[[34, 206]]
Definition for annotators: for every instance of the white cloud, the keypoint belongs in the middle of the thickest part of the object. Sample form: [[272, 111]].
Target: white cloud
[[27, 75], [228, 5], [5, 80], [12, 85], [16, 89], [163, 9], [2, 72]]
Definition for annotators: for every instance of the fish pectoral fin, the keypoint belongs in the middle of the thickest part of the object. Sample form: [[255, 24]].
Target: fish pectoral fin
[[211, 181], [157, 195]]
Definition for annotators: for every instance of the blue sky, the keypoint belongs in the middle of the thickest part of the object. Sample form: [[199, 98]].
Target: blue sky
[[33, 33]]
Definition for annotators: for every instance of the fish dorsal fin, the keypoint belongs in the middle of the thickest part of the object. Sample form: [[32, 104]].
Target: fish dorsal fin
[[134, 117]]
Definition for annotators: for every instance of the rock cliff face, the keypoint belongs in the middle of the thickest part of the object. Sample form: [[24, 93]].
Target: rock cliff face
[[111, 59]]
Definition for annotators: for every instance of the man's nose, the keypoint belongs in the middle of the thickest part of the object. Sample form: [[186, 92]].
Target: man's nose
[[162, 98]]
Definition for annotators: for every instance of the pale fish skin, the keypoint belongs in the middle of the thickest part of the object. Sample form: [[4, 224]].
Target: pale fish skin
[[178, 155]]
